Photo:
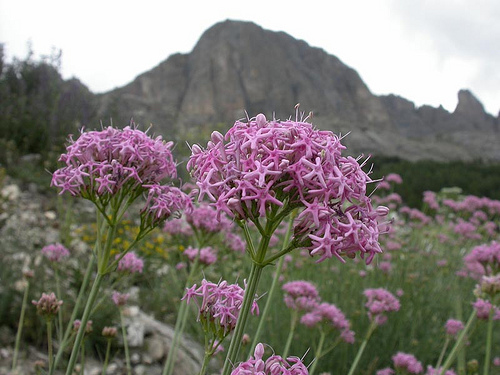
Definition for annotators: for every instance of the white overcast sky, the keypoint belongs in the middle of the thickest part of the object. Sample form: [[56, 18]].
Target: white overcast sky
[[423, 50]]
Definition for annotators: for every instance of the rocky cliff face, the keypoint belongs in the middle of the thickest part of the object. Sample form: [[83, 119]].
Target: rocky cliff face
[[238, 66]]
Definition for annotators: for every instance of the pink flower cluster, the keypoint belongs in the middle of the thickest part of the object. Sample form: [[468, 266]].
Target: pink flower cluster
[[262, 165], [220, 304], [100, 163], [206, 219], [437, 371], [300, 295], [484, 308], [380, 301], [207, 255], [130, 263], [483, 260], [274, 365], [394, 178], [415, 216], [48, 305], [162, 202], [472, 203], [55, 252], [332, 316], [407, 362], [120, 299], [430, 198], [88, 327], [453, 327]]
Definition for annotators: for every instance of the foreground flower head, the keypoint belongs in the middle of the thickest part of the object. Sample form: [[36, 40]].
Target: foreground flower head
[[300, 295], [263, 166], [380, 301], [330, 316], [48, 305], [274, 365], [130, 263], [55, 252], [219, 305], [100, 163]]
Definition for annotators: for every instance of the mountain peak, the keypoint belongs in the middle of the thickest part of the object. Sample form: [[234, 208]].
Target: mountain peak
[[239, 67], [468, 105]]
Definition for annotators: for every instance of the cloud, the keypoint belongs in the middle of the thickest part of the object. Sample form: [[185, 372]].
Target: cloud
[[462, 32]]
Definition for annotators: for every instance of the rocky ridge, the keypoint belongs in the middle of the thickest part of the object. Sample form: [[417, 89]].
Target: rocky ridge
[[239, 66]]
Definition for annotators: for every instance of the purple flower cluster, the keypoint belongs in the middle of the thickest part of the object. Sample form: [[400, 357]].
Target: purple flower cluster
[[220, 305], [483, 260], [102, 162], [130, 263], [453, 327], [332, 316], [407, 362], [55, 252], [263, 166], [48, 305], [207, 255], [274, 365], [300, 295], [380, 301]]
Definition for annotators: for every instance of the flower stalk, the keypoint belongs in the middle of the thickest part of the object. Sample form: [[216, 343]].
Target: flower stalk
[[459, 343], [318, 353], [125, 343], [371, 329], [20, 325]]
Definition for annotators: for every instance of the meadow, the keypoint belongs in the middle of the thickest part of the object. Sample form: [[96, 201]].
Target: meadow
[[423, 264]]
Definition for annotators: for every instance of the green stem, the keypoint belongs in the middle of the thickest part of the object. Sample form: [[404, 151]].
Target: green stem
[[293, 324], [125, 344], [59, 313], [458, 343], [82, 356], [20, 326], [234, 346], [274, 285], [489, 337], [49, 344], [441, 356], [81, 331], [180, 323], [372, 327], [76, 308], [106, 358], [206, 360], [318, 352]]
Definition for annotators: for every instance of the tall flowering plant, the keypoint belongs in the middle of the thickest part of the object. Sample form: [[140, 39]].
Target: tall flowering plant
[[261, 171], [112, 168]]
